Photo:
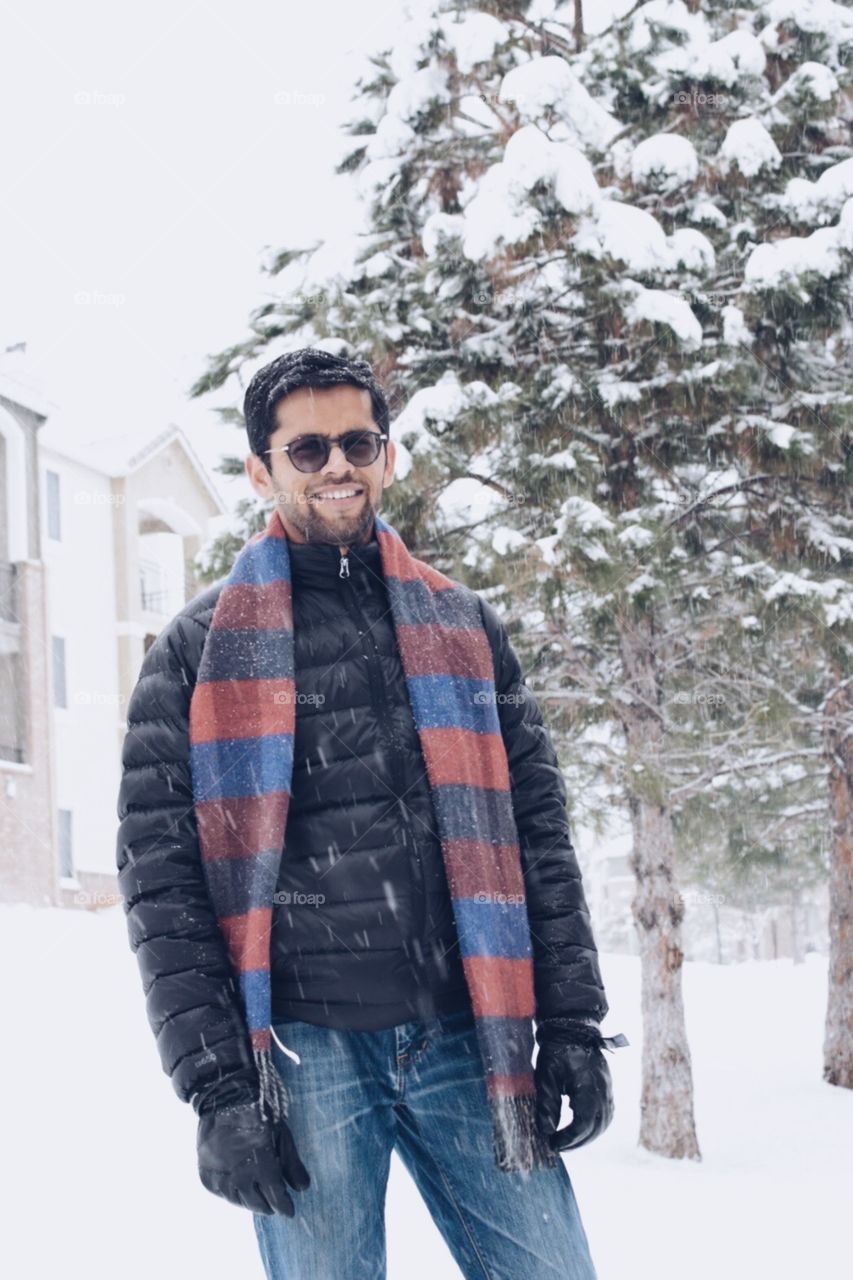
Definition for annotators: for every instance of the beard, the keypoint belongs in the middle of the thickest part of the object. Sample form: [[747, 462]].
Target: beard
[[309, 518]]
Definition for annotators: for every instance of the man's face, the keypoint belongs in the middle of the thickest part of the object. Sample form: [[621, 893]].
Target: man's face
[[306, 515]]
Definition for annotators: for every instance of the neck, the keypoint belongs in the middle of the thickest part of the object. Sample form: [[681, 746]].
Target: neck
[[296, 535], [361, 540]]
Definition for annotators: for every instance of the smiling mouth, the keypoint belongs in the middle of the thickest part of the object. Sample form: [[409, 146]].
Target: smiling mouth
[[339, 497]]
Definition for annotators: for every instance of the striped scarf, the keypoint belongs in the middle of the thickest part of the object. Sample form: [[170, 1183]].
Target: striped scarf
[[241, 731]]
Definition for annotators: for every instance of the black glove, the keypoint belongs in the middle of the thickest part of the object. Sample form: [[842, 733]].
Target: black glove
[[570, 1062], [247, 1159]]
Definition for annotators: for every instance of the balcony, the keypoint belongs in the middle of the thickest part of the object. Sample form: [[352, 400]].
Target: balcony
[[8, 593], [10, 615], [11, 708], [157, 593]]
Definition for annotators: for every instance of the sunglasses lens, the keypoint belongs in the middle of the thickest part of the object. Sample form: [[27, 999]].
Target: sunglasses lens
[[309, 454], [361, 448]]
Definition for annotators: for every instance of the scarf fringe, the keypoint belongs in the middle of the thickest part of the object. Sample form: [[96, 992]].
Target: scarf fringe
[[273, 1096], [517, 1142]]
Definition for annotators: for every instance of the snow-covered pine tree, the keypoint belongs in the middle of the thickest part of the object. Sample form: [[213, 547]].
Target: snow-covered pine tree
[[780, 82], [588, 431]]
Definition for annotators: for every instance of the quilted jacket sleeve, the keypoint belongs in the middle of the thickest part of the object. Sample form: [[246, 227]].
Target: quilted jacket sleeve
[[192, 1001], [567, 976]]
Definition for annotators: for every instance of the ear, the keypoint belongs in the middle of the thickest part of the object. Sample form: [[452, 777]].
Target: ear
[[259, 477], [390, 462]]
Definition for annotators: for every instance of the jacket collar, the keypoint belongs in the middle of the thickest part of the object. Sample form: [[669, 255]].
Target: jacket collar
[[317, 564]]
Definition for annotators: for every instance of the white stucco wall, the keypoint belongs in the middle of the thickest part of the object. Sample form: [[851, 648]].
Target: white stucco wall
[[81, 608]]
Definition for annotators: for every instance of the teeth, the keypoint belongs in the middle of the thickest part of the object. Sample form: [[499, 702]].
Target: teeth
[[335, 496]]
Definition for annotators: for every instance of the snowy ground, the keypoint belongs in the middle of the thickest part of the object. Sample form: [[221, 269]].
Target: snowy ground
[[101, 1177]]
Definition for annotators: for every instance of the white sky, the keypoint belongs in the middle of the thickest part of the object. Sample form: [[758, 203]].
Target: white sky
[[155, 195], [162, 201]]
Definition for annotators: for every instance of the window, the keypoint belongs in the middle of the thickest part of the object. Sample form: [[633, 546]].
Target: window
[[66, 860], [154, 587], [53, 523], [60, 695]]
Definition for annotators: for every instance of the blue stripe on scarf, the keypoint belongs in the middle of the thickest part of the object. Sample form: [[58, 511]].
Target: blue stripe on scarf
[[258, 564], [492, 928], [255, 990], [454, 702], [233, 767]]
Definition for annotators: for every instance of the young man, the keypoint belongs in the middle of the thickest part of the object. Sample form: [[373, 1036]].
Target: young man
[[348, 876]]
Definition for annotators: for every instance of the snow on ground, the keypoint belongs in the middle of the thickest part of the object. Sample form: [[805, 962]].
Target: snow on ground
[[99, 1153]]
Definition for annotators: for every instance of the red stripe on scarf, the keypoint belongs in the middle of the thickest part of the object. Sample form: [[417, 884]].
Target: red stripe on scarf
[[250, 606], [243, 709], [479, 865], [403, 565], [248, 939], [501, 988], [224, 824], [510, 1086], [462, 757], [445, 651]]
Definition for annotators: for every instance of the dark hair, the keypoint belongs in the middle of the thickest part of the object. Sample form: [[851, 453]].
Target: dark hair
[[308, 367]]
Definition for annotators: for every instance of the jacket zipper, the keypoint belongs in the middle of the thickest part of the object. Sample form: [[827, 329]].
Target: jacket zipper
[[344, 573]]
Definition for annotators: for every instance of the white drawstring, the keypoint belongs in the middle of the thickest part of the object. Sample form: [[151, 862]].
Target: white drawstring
[[290, 1052]]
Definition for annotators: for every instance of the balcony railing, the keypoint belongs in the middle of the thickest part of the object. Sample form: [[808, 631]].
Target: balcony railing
[[8, 593], [154, 588], [155, 601]]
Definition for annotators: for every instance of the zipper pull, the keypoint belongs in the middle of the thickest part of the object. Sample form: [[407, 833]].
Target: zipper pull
[[344, 569]]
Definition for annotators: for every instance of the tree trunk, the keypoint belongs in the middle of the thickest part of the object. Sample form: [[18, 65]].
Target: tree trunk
[[838, 749], [578, 26], [666, 1103], [797, 951], [717, 933]]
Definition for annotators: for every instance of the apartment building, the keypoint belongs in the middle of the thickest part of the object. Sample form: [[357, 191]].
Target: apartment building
[[97, 544]]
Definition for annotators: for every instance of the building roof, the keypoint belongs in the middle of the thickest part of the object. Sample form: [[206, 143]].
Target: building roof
[[120, 455]]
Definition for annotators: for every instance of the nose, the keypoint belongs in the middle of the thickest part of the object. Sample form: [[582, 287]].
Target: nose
[[340, 450]]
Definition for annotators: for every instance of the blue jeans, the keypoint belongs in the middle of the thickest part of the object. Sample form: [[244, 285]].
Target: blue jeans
[[418, 1088]]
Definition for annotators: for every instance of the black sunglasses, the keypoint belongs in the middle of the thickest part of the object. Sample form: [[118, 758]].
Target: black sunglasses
[[311, 452]]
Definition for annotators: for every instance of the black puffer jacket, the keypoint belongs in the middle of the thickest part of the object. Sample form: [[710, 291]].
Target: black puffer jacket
[[363, 933], [382, 947]]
